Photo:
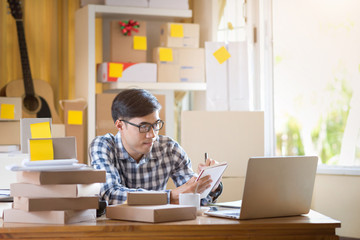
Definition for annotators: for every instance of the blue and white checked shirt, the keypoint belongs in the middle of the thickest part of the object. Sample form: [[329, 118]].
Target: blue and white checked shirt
[[167, 159]]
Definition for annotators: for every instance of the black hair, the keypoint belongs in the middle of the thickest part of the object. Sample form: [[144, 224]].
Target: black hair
[[131, 103]]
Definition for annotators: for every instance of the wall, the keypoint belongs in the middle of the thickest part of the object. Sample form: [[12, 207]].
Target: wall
[[338, 196]]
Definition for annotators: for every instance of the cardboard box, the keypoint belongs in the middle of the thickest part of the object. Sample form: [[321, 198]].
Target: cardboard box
[[49, 217], [169, 4], [180, 35], [62, 177], [122, 47], [53, 204], [128, 3], [10, 132], [241, 137], [25, 130], [75, 119], [104, 121], [10, 108], [54, 190], [147, 198], [154, 214], [187, 65], [126, 72]]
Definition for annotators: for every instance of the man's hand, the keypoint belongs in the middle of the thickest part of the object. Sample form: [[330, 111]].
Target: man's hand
[[209, 162], [190, 187]]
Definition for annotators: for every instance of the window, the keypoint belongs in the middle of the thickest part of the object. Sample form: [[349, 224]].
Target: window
[[317, 79], [232, 21]]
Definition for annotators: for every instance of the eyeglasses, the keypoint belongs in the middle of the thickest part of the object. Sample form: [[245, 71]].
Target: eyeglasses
[[146, 127]]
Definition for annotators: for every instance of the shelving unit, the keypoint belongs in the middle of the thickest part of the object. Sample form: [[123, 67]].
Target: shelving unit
[[85, 68]]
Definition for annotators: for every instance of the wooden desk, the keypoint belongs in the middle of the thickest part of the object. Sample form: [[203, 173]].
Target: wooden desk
[[311, 226]]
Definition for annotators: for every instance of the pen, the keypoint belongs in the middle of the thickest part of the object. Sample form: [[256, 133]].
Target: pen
[[206, 156]]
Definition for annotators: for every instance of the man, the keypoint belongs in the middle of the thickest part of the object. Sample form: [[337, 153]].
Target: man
[[138, 159]]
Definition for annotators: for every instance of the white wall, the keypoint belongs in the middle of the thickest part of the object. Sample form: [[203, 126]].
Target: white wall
[[338, 196]]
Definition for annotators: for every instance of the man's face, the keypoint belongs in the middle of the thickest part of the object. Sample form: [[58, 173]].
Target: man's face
[[136, 143]]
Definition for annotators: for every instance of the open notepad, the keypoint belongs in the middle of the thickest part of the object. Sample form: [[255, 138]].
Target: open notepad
[[215, 171]]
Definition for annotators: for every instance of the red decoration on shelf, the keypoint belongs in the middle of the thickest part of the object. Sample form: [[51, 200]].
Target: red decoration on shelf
[[128, 26]]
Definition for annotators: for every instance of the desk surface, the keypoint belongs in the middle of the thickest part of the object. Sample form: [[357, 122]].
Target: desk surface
[[310, 226]]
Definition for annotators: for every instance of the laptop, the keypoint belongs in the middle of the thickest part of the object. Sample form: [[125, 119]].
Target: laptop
[[274, 187]]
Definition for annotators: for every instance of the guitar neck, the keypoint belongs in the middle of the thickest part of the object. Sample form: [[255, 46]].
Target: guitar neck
[[28, 82]]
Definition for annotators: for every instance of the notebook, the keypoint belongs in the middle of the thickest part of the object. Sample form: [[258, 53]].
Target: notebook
[[274, 187]]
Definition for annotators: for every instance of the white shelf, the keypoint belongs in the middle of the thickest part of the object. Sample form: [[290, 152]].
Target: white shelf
[[113, 87], [144, 13], [85, 64]]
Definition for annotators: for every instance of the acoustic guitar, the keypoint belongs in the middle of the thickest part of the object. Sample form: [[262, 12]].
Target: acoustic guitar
[[37, 95]]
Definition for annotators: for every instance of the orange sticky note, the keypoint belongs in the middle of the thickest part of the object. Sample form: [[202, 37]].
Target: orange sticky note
[[7, 111], [40, 130], [176, 30], [165, 55], [41, 149], [221, 55], [75, 117], [116, 70], [140, 43]]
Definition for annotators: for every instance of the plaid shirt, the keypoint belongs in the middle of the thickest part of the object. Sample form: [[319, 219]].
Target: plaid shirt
[[167, 159]]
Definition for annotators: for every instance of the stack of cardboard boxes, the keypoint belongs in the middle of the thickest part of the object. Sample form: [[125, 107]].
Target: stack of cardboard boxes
[[10, 115], [179, 58], [57, 197]]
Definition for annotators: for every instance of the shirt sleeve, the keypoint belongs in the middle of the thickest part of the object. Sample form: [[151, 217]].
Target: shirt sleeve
[[102, 155], [182, 172]]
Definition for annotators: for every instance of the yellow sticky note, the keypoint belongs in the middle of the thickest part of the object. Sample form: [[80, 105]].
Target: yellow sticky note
[[115, 70], [7, 111], [75, 117], [165, 55], [221, 55], [139, 43], [176, 30], [41, 149], [40, 130]]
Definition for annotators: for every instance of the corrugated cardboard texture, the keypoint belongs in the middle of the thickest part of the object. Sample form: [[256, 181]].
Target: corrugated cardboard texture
[[158, 213], [49, 217], [62, 177], [53, 190], [121, 46], [147, 198], [238, 136], [10, 132], [104, 121], [50, 204], [16, 101], [191, 36], [78, 131], [188, 65]]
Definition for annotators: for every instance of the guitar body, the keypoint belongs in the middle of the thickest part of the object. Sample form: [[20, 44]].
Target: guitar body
[[44, 93]]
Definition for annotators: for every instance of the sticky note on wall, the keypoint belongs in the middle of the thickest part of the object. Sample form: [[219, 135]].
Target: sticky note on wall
[[40, 130], [75, 117], [140, 43], [176, 30], [41, 149], [221, 55], [7, 111], [165, 55]]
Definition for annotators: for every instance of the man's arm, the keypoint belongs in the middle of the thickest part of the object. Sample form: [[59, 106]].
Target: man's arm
[[102, 156]]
